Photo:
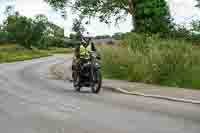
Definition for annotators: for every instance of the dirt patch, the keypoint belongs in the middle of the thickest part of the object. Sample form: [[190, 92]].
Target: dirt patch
[[60, 72]]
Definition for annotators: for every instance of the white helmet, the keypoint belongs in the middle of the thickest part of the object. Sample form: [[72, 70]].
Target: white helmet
[[88, 35]]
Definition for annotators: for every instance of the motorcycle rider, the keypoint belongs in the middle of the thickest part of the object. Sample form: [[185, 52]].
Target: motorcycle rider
[[82, 53]]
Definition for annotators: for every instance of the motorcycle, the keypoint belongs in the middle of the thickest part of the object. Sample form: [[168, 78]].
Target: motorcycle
[[89, 74]]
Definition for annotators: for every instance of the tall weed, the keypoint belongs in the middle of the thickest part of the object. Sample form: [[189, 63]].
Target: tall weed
[[149, 59]]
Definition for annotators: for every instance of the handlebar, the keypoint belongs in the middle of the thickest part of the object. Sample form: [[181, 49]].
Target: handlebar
[[95, 55]]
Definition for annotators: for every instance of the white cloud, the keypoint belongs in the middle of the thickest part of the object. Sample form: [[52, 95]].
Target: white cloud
[[3, 4], [101, 28], [184, 11], [32, 7]]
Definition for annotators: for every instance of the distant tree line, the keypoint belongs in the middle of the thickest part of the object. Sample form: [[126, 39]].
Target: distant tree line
[[30, 33]]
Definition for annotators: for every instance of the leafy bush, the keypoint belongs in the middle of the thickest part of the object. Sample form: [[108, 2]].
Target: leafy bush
[[71, 43], [182, 33], [3, 37], [6, 37], [149, 59], [55, 42]]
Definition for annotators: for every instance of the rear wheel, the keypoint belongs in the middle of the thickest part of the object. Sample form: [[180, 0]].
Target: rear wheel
[[96, 87]]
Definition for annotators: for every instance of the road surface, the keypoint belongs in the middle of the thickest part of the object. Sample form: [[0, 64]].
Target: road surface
[[31, 102]]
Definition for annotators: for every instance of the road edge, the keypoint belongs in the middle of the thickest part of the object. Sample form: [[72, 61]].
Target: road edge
[[174, 99], [123, 91]]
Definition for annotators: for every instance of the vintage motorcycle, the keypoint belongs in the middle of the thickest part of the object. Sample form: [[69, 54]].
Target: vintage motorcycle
[[89, 74]]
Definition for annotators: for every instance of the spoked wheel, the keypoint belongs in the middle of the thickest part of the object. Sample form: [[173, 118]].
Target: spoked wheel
[[96, 87], [76, 81], [78, 88]]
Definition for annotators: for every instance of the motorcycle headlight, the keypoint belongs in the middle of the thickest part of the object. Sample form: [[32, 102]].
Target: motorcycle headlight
[[97, 65]]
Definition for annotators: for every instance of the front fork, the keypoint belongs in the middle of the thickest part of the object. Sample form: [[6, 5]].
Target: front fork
[[93, 78]]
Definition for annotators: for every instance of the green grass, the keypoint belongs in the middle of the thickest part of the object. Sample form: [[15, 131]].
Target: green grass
[[54, 50], [11, 53], [156, 61], [8, 46]]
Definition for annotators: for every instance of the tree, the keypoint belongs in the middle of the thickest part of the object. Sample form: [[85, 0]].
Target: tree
[[41, 18], [147, 15], [118, 36], [78, 28], [9, 24], [103, 37], [31, 33], [153, 16], [9, 10], [10, 27], [55, 30], [72, 36], [59, 32], [39, 26], [196, 25], [24, 31], [3, 35], [198, 3], [1, 27]]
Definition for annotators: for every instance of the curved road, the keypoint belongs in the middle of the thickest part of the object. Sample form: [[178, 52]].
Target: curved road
[[30, 102]]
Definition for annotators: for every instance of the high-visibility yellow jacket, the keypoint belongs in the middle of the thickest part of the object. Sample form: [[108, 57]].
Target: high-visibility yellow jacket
[[83, 51]]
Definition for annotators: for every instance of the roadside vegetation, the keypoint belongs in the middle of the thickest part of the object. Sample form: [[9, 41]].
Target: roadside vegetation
[[150, 59], [156, 51], [12, 52], [23, 38]]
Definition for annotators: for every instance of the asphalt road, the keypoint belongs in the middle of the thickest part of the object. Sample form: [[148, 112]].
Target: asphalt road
[[31, 102]]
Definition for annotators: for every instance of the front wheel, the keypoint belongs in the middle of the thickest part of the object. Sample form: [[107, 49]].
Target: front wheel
[[96, 87], [76, 81]]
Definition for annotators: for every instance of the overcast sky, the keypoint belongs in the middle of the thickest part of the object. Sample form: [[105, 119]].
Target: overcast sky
[[183, 11]]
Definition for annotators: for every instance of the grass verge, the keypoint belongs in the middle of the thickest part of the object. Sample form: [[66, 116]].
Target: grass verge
[[154, 61], [11, 53]]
